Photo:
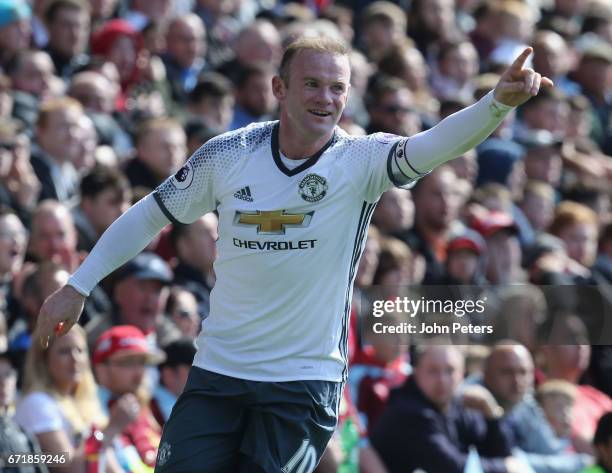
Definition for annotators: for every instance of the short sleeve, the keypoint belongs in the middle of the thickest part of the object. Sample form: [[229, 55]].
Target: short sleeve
[[38, 413], [382, 162]]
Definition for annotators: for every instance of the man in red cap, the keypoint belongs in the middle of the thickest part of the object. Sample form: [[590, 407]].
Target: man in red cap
[[120, 357]]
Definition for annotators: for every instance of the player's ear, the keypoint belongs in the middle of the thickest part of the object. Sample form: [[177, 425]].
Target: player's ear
[[278, 88]]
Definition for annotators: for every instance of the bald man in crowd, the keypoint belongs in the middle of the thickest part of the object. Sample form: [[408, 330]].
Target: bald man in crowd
[[442, 426], [508, 375]]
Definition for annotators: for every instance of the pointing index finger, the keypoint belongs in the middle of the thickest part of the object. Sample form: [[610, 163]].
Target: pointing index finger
[[519, 62]]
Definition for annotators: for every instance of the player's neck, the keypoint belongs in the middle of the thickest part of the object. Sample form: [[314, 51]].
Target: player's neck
[[294, 145]]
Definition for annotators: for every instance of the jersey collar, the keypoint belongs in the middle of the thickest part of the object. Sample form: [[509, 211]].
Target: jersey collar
[[311, 161]]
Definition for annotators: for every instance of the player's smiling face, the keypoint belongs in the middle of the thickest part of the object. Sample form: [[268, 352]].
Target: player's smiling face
[[317, 92]]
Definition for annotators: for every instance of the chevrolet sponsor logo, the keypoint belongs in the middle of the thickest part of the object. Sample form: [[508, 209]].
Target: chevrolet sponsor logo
[[272, 222]]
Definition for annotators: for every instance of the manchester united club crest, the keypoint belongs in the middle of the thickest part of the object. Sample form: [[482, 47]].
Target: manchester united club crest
[[313, 188]]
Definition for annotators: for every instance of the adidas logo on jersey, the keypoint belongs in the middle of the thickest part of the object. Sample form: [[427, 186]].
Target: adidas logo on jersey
[[244, 194]]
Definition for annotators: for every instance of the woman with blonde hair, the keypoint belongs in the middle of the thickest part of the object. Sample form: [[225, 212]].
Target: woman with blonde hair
[[60, 404]]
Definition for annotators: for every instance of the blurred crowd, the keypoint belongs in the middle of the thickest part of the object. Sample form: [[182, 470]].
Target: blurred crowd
[[101, 100]]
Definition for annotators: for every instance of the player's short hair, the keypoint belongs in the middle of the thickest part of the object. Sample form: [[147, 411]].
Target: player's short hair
[[55, 105], [321, 45], [571, 213]]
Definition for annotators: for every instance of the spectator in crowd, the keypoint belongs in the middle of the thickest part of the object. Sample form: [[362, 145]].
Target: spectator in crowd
[[33, 77], [441, 425], [550, 59], [548, 112], [182, 308], [557, 398], [54, 236], [456, 67], [383, 26], [577, 226], [436, 205], [516, 24], [119, 43], [140, 293], [395, 267], [15, 28], [394, 213], [568, 363], [160, 151], [504, 253], [509, 375], [56, 148], [520, 315], [465, 259], [60, 405], [196, 251], [173, 374], [94, 91], [212, 101], [13, 439], [430, 23], [538, 205], [185, 52], [390, 105], [407, 63], [256, 44], [486, 32], [120, 356], [105, 195], [592, 73], [68, 25], [543, 161], [255, 101]]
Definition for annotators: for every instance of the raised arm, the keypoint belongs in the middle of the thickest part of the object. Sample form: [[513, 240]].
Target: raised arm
[[123, 240], [467, 128]]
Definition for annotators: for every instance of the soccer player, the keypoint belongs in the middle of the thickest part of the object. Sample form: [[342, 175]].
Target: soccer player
[[294, 199]]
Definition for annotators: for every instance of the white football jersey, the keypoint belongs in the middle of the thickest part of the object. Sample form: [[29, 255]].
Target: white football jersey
[[289, 244]]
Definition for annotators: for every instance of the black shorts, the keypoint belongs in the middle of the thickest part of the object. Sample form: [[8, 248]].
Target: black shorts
[[222, 424]]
